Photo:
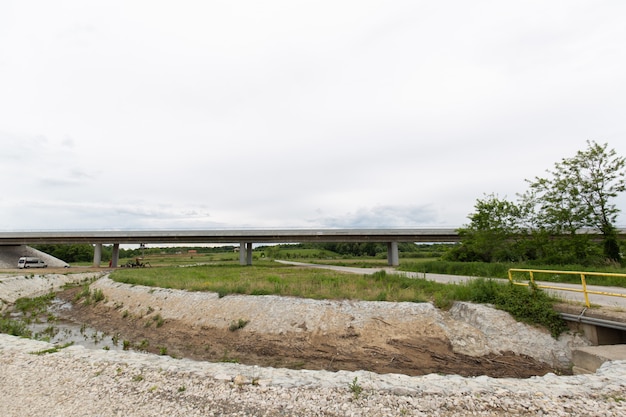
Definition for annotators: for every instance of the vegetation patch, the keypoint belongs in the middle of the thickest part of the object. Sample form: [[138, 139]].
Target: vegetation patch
[[53, 349], [14, 327], [236, 325], [527, 304]]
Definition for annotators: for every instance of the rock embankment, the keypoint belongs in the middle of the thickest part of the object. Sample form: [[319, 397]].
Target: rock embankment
[[471, 329]]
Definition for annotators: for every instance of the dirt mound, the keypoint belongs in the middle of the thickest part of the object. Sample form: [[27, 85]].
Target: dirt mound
[[405, 338]]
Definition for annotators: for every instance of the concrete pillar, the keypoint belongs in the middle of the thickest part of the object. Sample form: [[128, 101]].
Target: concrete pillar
[[242, 253], [97, 255], [115, 256], [249, 253], [393, 259]]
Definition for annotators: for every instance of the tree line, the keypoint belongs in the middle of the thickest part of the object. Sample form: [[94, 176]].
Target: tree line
[[83, 252], [551, 221]]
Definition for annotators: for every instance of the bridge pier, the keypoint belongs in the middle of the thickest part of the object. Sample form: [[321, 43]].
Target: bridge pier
[[97, 255], [115, 256], [245, 253], [393, 259]]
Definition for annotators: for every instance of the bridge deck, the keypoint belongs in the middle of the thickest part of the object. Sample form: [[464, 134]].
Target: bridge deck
[[231, 236]]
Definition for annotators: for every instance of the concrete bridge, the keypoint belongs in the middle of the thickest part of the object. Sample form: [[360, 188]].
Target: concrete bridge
[[244, 237]]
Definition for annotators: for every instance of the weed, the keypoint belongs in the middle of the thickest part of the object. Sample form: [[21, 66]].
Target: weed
[[33, 307], [125, 314], [126, 345], [47, 334], [182, 388], [97, 295], [236, 325], [159, 320], [83, 294], [138, 378], [54, 349], [355, 388], [162, 351], [14, 328]]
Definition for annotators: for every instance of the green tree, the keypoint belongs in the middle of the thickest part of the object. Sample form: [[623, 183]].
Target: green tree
[[493, 233], [578, 194]]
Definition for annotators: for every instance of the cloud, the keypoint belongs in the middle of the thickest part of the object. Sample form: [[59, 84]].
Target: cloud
[[291, 114], [382, 216]]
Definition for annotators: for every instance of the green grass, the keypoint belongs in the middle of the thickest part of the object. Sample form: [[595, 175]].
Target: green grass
[[526, 304], [500, 270], [31, 308], [14, 327], [265, 278]]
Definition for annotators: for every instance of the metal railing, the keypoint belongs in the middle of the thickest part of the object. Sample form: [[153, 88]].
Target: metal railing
[[585, 290]]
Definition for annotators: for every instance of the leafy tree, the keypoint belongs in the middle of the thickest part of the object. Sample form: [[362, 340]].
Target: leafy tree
[[68, 252], [578, 195], [546, 223], [493, 233]]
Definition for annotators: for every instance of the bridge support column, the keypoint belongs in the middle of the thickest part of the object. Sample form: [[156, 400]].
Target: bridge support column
[[249, 253], [245, 253], [393, 259], [242, 253], [115, 256], [97, 255]]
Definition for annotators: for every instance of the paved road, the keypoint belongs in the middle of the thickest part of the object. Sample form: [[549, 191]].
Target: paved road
[[602, 300]]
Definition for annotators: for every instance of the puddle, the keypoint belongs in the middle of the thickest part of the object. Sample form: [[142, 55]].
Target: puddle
[[60, 332]]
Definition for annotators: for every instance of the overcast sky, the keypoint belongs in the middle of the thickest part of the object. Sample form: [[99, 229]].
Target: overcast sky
[[201, 114]]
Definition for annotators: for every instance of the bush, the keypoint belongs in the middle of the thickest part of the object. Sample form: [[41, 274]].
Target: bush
[[526, 304], [14, 328]]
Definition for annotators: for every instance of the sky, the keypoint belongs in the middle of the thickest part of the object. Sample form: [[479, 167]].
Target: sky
[[296, 114]]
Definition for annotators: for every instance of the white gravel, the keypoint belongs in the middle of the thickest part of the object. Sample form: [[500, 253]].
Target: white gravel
[[76, 381]]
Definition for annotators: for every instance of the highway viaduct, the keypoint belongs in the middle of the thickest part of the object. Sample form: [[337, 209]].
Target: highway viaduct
[[244, 237]]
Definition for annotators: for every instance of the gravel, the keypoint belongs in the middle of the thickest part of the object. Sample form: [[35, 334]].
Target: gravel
[[76, 381]]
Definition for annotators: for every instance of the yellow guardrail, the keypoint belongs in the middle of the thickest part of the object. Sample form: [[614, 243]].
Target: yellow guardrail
[[586, 291]]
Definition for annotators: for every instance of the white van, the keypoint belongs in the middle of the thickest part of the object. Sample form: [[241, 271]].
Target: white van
[[28, 262]]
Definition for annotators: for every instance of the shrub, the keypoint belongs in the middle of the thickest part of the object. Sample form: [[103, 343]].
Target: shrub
[[14, 328], [236, 325]]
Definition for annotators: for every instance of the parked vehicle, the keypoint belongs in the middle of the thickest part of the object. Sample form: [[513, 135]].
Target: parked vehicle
[[30, 262]]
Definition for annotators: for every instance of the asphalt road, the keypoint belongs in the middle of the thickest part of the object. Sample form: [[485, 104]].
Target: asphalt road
[[575, 295]]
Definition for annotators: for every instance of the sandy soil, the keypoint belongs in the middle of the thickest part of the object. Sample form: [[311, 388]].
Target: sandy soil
[[338, 341]]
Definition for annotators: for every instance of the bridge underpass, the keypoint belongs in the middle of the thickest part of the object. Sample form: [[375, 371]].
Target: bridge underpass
[[244, 238]]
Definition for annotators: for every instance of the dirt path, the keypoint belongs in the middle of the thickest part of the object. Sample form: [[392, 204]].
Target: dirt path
[[379, 344]]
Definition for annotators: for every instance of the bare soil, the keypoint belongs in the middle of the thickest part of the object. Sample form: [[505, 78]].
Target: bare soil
[[378, 350]]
